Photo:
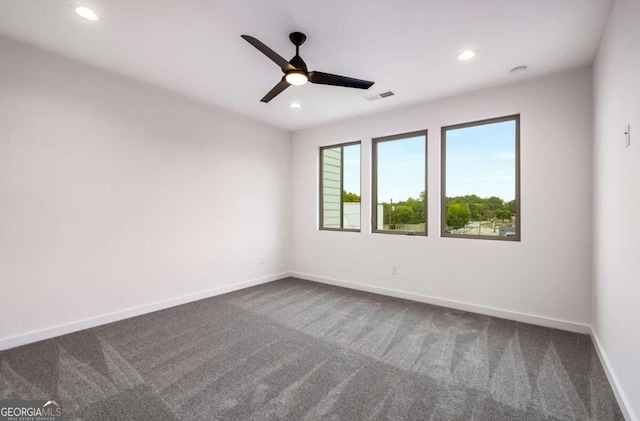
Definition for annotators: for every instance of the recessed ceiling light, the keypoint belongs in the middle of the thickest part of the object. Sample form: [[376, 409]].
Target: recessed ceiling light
[[467, 55], [295, 105], [85, 13]]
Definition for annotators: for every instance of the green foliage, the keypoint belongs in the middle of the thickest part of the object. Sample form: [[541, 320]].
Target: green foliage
[[417, 210], [493, 203], [472, 208], [350, 197], [477, 211], [482, 209], [458, 215], [511, 206], [410, 211], [503, 214], [403, 214]]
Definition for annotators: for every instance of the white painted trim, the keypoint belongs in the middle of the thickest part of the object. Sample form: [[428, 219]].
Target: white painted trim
[[51, 332], [623, 401], [458, 305], [14, 341]]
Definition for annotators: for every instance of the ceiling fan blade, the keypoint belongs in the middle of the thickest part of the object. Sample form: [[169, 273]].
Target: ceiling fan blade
[[276, 90], [275, 57], [335, 80]]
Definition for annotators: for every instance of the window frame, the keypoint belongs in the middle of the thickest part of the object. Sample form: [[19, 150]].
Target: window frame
[[321, 192], [374, 182], [443, 179]]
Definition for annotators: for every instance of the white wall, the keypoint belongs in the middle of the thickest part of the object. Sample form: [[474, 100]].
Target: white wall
[[548, 274], [114, 194], [617, 198]]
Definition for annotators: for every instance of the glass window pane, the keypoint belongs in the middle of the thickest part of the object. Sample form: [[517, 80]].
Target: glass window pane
[[399, 184], [351, 187], [480, 190], [340, 184]]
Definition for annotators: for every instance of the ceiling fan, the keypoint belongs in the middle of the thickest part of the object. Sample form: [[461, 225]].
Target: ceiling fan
[[295, 70]]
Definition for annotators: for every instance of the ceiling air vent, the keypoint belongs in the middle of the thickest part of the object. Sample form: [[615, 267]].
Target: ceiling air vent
[[380, 96]]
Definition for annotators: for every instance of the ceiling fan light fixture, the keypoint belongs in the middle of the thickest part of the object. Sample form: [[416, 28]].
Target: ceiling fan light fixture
[[296, 77]]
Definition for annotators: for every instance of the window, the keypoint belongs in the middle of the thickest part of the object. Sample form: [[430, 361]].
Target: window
[[399, 184], [340, 187], [481, 179]]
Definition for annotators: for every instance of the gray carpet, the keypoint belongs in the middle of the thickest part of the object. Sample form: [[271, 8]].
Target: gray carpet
[[299, 350]]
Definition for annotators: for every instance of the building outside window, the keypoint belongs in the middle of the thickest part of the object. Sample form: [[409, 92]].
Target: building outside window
[[340, 187]]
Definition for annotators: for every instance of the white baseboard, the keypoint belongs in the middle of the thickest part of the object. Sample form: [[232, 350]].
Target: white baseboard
[[14, 341], [458, 305], [51, 332], [622, 399]]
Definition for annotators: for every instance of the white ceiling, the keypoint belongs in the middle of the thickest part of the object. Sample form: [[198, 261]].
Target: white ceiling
[[410, 46]]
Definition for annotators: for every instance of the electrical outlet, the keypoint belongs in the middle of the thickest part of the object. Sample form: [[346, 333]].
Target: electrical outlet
[[262, 260], [394, 270]]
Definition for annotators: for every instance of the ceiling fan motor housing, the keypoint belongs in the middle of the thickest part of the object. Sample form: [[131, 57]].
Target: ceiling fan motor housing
[[297, 38]]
